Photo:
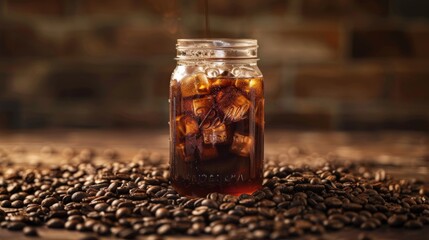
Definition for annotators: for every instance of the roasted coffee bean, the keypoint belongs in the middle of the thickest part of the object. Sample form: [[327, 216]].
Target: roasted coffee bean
[[49, 202], [413, 224], [123, 212], [334, 224], [380, 216], [351, 206], [199, 211], [310, 187], [71, 224], [78, 196], [397, 220], [162, 213], [364, 236], [6, 203], [209, 203], [333, 202], [247, 202], [101, 207], [226, 206], [15, 226], [55, 223], [368, 225], [340, 217], [17, 204], [164, 229], [30, 231], [127, 233]]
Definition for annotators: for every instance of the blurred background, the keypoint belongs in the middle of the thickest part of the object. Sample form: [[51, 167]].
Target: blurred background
[[328, 65]]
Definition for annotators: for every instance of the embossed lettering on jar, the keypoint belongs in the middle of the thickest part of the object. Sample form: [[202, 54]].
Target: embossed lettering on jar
[[216, 117]]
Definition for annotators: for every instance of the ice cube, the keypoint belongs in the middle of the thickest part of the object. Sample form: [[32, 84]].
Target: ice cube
[[220, 82], [187, 126], [216, 133], [233, 104], [242, 145], [208, 152], [194, 85], [201, 106], [243, 85], [181, 153], [253, 86]]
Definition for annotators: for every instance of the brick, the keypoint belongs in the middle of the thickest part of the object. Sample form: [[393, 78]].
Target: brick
[[115, 7], [326, 9], [161, 80], [103, 83], [383, 120], [410, 82], [379, 8], [312, 42], [135, 40], [355, 83], [412, 9], [243, 8], [4, 84], [299, 120], [18, 39], [381, 43], [39, 8], [419, 35], [273, 78]]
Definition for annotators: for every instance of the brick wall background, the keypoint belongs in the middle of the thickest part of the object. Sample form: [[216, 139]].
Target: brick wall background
[[335, 64]]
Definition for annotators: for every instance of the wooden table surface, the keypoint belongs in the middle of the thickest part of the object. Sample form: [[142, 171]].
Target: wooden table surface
[[401, 154]]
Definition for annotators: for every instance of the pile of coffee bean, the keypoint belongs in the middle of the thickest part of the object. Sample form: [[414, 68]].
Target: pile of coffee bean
[[131, 199]]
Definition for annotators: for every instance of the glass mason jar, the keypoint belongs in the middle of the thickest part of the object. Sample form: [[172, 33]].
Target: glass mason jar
[[216, 117]]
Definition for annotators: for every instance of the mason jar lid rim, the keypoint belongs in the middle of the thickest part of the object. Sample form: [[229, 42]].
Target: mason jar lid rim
[[241, 42]]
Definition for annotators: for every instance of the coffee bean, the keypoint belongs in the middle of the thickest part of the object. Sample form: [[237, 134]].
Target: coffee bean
[[17, 204], [333, 202], [199, 211], [310, 187], [15, 226], [164, 229], [397, 220], [6, 203], [334, 224], [78, 196], [368, 225], [127, 233], [49, 202], [340, 217], [30, 231], [101, 207], [413, 224], [247, 202], [352, 206], [162, 213], [123, 212], [71, 224], [293, 212], [55, 223], [226, 206], [364, 236], [380, 216], [210, 203]]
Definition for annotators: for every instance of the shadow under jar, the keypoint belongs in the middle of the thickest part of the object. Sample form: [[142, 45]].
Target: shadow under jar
[[216, 117]]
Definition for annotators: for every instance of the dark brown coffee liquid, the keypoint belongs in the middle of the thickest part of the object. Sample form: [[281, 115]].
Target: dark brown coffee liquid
[[217, 135]]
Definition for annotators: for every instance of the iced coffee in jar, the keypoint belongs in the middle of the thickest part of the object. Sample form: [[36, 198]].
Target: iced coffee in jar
[[216, 117]]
